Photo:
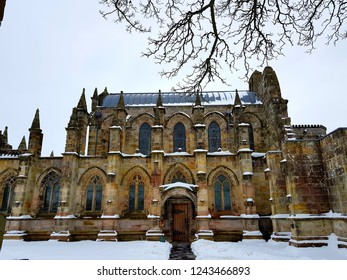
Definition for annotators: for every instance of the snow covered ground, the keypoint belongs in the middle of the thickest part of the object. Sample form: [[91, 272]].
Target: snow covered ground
[[261, 250], [84, 250], [148, 250]]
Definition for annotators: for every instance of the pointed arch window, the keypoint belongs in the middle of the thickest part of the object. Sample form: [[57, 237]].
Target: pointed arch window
[[136, 194], [214, 142], [94, 194], [7, 194], [179, 137], [51, 185], [145, 139], [222, 193]]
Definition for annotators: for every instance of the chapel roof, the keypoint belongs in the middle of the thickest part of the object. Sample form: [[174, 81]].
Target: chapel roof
[[181, 99]]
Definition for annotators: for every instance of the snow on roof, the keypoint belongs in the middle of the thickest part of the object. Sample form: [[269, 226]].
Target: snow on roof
[[181, 98], [178, 185], [8, 156]]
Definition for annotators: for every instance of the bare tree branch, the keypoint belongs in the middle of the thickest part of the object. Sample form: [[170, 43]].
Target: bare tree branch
[[207, 37]]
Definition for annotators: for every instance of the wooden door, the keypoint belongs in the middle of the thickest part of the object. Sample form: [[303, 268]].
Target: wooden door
[[180, 227]]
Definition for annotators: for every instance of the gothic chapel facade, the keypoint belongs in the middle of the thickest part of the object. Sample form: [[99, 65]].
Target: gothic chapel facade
[[217, 165]]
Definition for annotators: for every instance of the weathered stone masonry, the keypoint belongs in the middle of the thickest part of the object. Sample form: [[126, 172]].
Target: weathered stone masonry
[[177, 166]]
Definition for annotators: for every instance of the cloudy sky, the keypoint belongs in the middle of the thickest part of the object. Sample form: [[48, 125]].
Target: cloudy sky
[[51, 50]]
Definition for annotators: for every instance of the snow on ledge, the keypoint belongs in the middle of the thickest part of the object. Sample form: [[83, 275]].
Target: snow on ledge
[[182, 153], [206, 232], [19, 217], [15, 233], [258, 155], [106, 232], [64, 217], [116, 216], [247, 216], [149, 216], [220, 153], [116, 126], [204, 217], [61, 233], [200, 151], [243, 124], [252, 233], [154, 232], [328, 215], [199, 125], [245, 150]]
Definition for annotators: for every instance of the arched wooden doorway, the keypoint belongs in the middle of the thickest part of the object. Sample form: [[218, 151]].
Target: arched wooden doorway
[[180, 215], [179, 212]]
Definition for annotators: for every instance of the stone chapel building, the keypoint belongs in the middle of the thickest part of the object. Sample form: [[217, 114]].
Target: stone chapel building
[[225, 165]]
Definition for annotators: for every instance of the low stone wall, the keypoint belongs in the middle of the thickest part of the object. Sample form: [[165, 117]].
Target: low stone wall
[[73, 229], [310, 230]]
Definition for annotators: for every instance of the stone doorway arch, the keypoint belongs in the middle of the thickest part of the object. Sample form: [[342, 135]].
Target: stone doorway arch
[[179, 211]]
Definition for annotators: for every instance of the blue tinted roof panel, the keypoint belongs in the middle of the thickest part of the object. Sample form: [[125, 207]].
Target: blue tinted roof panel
[[181, 99]]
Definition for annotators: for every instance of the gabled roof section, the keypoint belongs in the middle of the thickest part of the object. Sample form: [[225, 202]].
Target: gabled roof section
[[181, 99]]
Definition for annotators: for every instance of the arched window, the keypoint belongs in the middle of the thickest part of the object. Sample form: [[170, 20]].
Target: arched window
[[145, 139], [7, 194], [179, 177], [136, 194], [51, 185], [222, 193], [214, 142], [94, 194], [251, 137], [179, 137]]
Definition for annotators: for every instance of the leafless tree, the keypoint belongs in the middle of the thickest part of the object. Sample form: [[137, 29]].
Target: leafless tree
[[2, 10], [207, 36]]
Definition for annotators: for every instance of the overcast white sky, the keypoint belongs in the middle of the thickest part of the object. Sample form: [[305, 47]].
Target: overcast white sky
[[51, 50]]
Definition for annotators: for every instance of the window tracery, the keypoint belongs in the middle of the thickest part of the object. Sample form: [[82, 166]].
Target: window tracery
[[51, 185], [7, 194], [136, 194], [222, 193], [179, 177], [94, 194]]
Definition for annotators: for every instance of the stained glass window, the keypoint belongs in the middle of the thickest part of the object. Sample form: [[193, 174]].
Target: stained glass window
[[145, 139], [214, 142], [7, 194], [179, 137], [222, 193], [51, 185], [94, 194], [136, 194]]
